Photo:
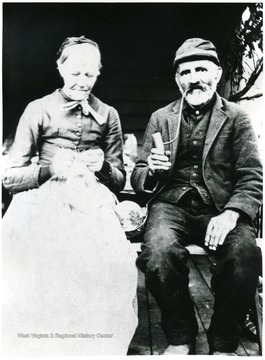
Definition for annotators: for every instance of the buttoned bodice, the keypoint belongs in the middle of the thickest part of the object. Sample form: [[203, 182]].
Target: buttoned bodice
[[46, 126]]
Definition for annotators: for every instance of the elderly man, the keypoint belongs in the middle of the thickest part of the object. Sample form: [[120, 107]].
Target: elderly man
[[206, 188]]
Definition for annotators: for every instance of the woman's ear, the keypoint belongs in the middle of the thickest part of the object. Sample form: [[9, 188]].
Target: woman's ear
[[60, 68]]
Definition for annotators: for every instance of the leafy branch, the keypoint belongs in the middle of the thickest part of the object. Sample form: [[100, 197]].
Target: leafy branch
[[250, 82], [244, 57]]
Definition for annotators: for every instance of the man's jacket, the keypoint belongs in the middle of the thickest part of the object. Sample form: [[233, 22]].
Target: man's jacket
[[231, 165]]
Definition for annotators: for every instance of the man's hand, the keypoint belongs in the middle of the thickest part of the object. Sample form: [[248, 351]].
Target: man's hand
[[218, 228], [158, 162]]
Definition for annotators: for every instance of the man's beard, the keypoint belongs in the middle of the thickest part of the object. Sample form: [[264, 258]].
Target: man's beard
[[200, 95]]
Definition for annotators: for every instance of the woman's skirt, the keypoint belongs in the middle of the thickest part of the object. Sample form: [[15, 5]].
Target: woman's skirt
[[69, 273]]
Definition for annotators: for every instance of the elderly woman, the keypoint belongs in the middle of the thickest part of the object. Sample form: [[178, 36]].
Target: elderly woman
[[70, 276]]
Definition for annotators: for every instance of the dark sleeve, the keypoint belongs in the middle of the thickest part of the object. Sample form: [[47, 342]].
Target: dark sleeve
[[44, 174], [21, 174], [112, 173], [246, 196]]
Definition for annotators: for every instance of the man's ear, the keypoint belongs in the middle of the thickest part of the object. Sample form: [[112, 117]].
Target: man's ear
[[177, 80], [219, 74]]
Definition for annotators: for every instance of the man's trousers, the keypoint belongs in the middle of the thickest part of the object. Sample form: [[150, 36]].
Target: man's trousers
[[171, 227]]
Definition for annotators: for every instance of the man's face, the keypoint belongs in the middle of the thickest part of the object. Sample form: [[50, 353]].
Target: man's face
[[79, 72], [198, 80]]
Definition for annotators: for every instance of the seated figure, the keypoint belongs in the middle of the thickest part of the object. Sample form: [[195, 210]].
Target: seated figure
[[69, 272], [205, 184]]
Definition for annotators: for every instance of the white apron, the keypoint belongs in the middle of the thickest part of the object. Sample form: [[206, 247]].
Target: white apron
[[69, 273]]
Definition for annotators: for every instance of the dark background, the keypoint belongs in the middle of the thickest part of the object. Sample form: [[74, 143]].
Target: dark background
[[137, 41]]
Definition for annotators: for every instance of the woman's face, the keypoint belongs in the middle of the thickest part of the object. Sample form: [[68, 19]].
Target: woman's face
[[80, 71]]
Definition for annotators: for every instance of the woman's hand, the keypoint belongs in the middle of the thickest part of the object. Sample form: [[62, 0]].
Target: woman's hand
[[62, 162], [93, 159]]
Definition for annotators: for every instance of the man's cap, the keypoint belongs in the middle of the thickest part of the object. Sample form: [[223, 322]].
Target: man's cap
[[196, 49]]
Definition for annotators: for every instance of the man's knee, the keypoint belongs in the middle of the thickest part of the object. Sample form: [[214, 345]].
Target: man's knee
[[240, 246], [244, 251], [241, 263], [247, 262], [162, 253]]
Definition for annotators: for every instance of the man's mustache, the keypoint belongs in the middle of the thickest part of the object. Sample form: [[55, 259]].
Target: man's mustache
[[195, 87]]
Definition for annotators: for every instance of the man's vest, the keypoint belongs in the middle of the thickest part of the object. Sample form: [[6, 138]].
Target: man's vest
[[187, 172]]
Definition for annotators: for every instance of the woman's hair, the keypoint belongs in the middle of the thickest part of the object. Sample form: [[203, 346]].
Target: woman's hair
[[62, 55]]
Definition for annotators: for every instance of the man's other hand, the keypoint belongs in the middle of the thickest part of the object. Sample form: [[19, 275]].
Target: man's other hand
[[218, 228]]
